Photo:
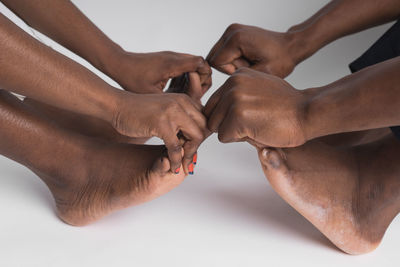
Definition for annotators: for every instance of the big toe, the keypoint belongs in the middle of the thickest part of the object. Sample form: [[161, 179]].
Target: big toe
[[162, 179], [274, 165]]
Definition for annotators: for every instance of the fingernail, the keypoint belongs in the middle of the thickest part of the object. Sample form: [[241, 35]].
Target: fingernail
[[195, 159], [191, 169], [177, 170]]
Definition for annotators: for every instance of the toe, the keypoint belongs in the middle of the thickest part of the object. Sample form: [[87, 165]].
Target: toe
[[274, 164]]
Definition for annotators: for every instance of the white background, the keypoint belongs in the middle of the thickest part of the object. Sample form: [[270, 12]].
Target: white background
[[225, 215]]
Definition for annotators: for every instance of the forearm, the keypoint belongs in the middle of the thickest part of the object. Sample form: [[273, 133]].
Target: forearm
[[29, 68], [338, 19], [368, 99], [62, 21]]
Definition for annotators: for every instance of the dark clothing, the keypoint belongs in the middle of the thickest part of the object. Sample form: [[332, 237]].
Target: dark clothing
[[387, 47]]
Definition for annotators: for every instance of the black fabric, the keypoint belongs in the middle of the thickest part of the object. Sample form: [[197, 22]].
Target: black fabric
[[387, 47]]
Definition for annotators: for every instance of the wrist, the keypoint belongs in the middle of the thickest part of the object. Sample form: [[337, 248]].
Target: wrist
[[109, 60], [307, 110], [320, 109], [302, 43], [108, 105]]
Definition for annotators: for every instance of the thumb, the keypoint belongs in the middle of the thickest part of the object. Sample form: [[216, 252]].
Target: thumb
[[223, 59], [195, 90]]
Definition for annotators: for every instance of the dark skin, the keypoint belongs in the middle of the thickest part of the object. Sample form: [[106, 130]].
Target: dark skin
[[263, 108], [344, 181], [135, 72], [34, 70], [278, 53], [89, 176]]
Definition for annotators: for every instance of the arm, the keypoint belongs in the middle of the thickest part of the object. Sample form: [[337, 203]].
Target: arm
[[266, 110], [278, 53], [365, 100], [32, 69], [337, 19], [141, 73]]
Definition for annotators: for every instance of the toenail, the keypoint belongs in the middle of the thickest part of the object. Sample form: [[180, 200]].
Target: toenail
[[195, 159], [177, 170], [191, 169]]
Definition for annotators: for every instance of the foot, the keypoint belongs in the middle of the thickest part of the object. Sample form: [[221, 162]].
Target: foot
[[350, 194], [108, 177], [88, 177]]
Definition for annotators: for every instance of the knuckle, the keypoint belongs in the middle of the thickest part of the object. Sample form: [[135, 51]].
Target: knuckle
[[237, 78], [198, 138], [173, 105], [237, 36], [175, 147], [233, 27], [199, 61], [235, 95], [239, 113], [168, 53]]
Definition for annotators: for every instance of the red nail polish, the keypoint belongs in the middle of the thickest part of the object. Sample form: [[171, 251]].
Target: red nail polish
[[191, 169], [177, 170], [195, 159]]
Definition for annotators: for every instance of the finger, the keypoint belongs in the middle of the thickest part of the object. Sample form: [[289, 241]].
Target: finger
[[224, 57], [195, 90], [230, 68], [189, 64], [219, 113], [206, 79], [194, 137], [241, 63], [178, 84], [190, 148], [229, 30], [229, 130], [174, 148], [206, 85], [193, 110], [216, 97], [226, 68], [204, 71]]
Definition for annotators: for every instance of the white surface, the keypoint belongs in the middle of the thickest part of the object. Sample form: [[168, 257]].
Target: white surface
[[225, 215]]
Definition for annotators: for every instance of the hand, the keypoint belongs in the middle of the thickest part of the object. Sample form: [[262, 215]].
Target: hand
[[149, 72], [189, 84], [249, 46], [175, 118], [259, 108]]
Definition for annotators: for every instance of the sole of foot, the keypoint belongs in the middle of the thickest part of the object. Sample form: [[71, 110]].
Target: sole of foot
[[107, 178], [350, 194]]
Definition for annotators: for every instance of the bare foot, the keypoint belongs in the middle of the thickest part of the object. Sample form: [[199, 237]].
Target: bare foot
[[88, 177], [350, 194], [110, 177]]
